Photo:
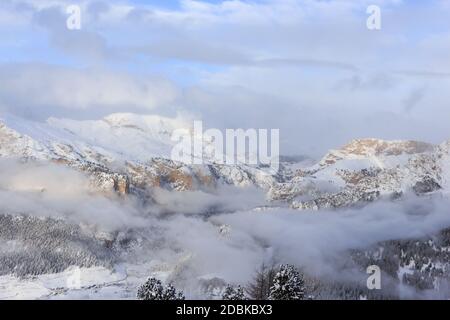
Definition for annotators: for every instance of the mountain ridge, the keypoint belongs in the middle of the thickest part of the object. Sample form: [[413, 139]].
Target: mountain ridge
[[354, 175], [362, 170]]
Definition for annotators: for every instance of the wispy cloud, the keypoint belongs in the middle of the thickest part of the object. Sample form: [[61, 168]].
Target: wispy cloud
[[237, 64]]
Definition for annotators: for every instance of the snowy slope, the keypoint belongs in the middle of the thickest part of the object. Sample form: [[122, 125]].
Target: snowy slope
[[118, 136], [365, 170], [137, 148], [122, 152], [130, 154]]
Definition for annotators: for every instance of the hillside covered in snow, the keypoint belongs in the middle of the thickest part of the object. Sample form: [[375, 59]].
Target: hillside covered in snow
[[103, 200]]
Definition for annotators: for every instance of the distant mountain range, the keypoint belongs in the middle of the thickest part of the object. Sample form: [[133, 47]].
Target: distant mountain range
[[128, 154], [131, 153]]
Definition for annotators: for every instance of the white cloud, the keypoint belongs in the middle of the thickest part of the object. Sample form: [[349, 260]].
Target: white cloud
[[310, 68], [41, 89]]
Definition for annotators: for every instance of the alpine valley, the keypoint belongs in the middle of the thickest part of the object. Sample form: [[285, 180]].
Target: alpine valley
[[103, 202]]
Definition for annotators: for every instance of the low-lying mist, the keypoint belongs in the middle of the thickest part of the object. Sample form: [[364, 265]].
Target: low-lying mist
[[220, 233], [51, 190]]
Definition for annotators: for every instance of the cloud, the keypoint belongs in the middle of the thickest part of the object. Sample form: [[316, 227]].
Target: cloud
[[315, 113], [85, 43], [426, 74], [41, 91], [49, 190], [208, 243], [415, 97], [224, 199], [309, 68], [317, 240]]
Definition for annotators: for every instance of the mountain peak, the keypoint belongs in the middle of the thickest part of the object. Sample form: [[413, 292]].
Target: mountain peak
[[371, 146], [145, 122]]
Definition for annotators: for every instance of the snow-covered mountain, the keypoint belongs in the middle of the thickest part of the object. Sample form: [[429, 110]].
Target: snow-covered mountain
[[126, 152], [122, 152], [366, 170], [129, 155]]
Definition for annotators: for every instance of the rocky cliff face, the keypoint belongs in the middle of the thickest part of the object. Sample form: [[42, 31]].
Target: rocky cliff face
[[362, 171], [114, 168], [123, 155]]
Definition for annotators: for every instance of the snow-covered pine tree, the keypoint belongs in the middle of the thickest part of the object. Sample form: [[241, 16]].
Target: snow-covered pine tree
[[153, 289], [288, 284], [233, 293], [170, 293]]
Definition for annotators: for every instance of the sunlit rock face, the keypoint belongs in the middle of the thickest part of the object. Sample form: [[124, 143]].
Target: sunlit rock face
[[361, 171], [125, 161]]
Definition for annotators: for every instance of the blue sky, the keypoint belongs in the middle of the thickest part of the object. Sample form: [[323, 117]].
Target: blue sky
[[303, 66], [170, 4]]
